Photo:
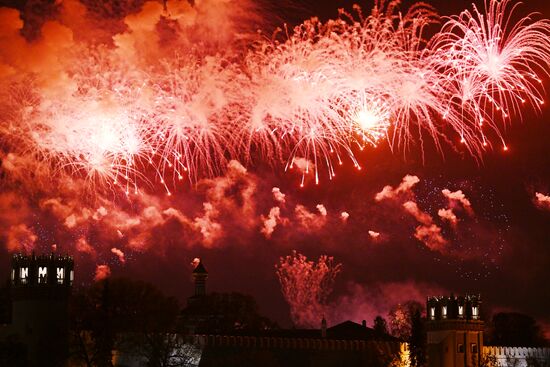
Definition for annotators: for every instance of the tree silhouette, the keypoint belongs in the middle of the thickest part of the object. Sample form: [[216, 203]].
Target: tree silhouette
[[401, 317], [131, 316], [380, 326], [5, 304], [417, 340], [515, 330], [13, 352], [225, 313]]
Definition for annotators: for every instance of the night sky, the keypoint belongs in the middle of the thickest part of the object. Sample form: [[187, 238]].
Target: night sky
[[499, 248]]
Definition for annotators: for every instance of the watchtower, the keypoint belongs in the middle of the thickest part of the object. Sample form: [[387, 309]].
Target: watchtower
[[455, 331], [41, 286]]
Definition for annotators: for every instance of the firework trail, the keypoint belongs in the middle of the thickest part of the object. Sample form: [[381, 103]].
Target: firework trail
[[137, 112]]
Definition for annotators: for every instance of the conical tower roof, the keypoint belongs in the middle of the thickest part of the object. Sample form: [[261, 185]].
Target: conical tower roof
[[200, 269]]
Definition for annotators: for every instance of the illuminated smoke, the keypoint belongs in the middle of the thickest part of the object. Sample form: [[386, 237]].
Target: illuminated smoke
[[209, 228], [428, 232], [412, 208], [71, 212], [270, 222], [102, 272], [278, 195], [458, 196], [344, 216], [431, 236], [308, 220], [83, 246], [20, 238], [365, 302], [388, 192], [119, 254], [542, 201], [306, 286], [448, 215], [374, 234]]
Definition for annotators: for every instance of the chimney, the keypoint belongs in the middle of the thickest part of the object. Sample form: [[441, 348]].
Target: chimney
[[323, 327], [364, 323]]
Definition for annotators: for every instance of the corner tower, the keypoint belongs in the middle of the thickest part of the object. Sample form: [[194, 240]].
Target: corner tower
[[40, 287], [455, 331]]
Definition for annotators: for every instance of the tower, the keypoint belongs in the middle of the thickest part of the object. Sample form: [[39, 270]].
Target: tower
[[200, 275], [41, 286], [455, 331], [194, 314]]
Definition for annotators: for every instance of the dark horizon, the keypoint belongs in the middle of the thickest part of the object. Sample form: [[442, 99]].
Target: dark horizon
[[499, 250]]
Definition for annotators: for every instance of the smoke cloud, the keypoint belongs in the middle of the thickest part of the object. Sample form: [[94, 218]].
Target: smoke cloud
[[458, 197], [119, 254], [278, 195], [102, 272], [542, 201], [365, 303], [344, 216], [388, 192], [448, 215], [271, 221]]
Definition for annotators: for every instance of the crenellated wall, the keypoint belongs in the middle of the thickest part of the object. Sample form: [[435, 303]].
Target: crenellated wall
[[254, 350], [518, 356], [297, 343]]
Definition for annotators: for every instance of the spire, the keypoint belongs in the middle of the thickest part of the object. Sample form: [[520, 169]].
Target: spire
[[200, 269]]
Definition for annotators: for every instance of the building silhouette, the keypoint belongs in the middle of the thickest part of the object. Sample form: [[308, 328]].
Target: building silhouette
[[200, 275], [345, 344], [40, 289], [455, 337], [455, 331]]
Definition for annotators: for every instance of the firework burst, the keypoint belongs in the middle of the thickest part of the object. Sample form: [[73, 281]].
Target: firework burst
[[492, 66], [315, 94]]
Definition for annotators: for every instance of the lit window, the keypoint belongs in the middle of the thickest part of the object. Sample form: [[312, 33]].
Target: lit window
[[23, 275], [60, 275], [432, 313], [12, 274], [475, 312], [42, 275], [474, 348], [71, 277], [460, 348], [444, 312]]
